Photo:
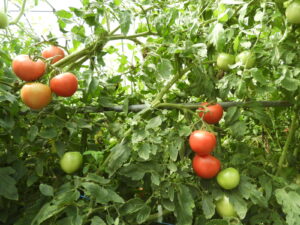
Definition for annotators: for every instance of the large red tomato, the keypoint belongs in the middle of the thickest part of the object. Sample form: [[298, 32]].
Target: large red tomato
[[26, 69], [202, 142], [36, 95], [64, 84], [211, 113], [206, 166], [53, 51]]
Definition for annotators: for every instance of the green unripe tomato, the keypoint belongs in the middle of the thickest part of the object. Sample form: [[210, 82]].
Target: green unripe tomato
[[224, 60], [71, 162], [247, 59], [228, 178], [3, 20], [224, 208], [292, 12]]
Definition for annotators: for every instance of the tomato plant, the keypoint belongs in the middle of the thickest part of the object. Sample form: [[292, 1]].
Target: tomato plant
[[225, 208], [206, 166], [3, 20], [246, 58], [224, 60], [64, 84], [292, 12], [54, 52], [211, 114], [71, 162], [228, 178], [36, 95], [202, 142], [27, 69]]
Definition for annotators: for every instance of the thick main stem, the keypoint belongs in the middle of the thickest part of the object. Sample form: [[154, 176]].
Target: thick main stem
[[287, 144]]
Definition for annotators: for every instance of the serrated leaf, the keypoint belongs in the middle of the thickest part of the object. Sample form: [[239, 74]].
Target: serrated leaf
[[119, 155], [32, 133], [217, 222], [208, 206], [290, 202], [48, 133], [125, 21], [239, 204], [8, 184], [96, 220], [154, 122], [46, 189], [259, 76], [217, 36], [175, 147], [165, 68], [239, 128], [290, 84], [132, 206], [184, 204], [232, 115], [143, 214], [144, 151], [64, 14]]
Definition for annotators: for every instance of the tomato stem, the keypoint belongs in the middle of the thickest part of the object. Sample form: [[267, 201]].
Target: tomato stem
[[287, 144]]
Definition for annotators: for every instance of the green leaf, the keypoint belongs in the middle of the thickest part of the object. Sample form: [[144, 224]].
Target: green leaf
[[8, 184], [232, 115], [64, 14], [290, 202], [208, 206], [184, 204], [117, 2], [32, 133], [47, 211], [46, 189], [290, 84], [143, 214], [239, 128], [217, 36], [154, 122], [175, 147], [144, 151], [119, 155], [165, 68], [132, 206], [48, 133], [96, 220], [259, 76], [239, 204], [125, 21], [217, 222]]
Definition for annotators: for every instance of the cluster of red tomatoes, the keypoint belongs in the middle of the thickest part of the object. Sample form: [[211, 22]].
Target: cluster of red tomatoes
[[207, 166], [37, 95]]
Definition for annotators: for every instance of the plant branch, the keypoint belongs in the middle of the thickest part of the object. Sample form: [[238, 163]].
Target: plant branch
[[20, 14], [119, 36], [288, 141], [164, 90]]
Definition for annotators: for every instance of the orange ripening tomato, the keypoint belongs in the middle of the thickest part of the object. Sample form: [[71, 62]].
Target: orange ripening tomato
[[206, 166], [212, 113], [27, 69], [53, 51], [202, 142], [36, 95], [64, 84]]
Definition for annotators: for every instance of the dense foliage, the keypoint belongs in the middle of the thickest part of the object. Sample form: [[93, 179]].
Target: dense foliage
[[136, 160]]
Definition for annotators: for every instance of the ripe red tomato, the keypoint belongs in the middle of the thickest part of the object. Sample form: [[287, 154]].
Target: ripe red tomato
[[202, 142], [206, 166], [53, 51], [64, 84], [26, 69], [212, 113], [36, 95]]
